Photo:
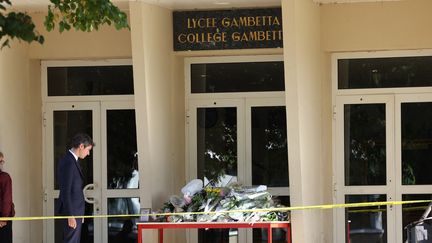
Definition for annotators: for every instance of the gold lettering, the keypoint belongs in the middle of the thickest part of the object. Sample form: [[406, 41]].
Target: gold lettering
[[259, 20], [242, 21], [225, 22], [197, 38], [182, 38], [189, 24], [276, 21], [234, 23], [201, 23], [191, 38], [235, 36], [261, 36], [251, 21], [258, 35]]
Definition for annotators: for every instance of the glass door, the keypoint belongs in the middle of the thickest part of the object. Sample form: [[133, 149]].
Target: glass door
[[120, 174], [62, 122], [365, 167], [413, 157], [110, 171], [267, 155], [239, 140], [216, 134]]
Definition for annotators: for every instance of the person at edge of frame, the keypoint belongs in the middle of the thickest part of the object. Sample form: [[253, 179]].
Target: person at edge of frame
[[7, 208]]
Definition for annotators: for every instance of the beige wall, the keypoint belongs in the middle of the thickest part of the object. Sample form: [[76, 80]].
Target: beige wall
[[107, 42], [20, 137], [159, 102], [311, 34], [377, 26], [303, 69]]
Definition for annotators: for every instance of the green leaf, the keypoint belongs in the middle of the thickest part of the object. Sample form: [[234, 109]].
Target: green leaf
[[83, 15], [87, 15]]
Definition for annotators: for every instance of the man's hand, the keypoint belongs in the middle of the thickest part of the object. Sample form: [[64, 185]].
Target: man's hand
[[72, 223], [3, 223]]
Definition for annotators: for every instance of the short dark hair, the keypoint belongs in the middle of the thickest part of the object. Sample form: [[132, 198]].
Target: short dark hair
[[81, 138]]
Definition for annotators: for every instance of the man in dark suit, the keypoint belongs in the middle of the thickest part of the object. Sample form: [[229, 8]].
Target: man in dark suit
[[70, 178]]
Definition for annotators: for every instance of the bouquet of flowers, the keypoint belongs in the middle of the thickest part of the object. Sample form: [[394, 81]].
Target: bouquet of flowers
[[222, 204]]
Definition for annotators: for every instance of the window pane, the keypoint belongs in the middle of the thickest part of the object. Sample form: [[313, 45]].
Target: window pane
[[218, 236], [416, 143], [217, 145], [123, 229], [269, 146], [365, 144], [413, 212], [384, 72], [90, 80], [237, 77], [122, 157], [66, 125], [366, 224]]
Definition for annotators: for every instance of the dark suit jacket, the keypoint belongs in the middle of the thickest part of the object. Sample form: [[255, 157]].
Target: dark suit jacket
[[70, 178]]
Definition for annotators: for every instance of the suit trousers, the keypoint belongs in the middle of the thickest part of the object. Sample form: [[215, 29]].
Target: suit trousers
[[6, 233], [72, 235]]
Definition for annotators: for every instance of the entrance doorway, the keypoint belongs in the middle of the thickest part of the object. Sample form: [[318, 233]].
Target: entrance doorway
[[94, 97], [111, 172], [382, 141], [236, 131], [384, 152]]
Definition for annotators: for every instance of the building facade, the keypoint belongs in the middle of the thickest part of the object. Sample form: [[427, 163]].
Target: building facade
[[349, 88]]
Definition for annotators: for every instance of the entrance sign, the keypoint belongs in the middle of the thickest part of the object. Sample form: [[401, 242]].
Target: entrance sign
[[227, 29]]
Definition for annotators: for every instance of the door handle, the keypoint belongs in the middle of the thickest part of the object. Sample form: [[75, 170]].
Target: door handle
[[86, 188]]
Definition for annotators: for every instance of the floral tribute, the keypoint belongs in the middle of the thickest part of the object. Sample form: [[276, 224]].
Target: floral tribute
[[214, 202]]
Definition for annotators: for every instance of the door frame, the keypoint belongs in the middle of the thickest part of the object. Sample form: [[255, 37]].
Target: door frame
[[111, 193], [51, 101], [50, 194], [405, 189], [100, 192], [398, 94], [240, 99], [339, 184]]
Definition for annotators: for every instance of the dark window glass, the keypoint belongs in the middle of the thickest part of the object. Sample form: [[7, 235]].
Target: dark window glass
[[217, 145], [269, 146], [218, 236], [416, 143], [411, 212], [66, 125], [391, 72], [237, 77], [123, 229], [122, 158], [366, 224], [90, 80], [365, 144], [278, 235]]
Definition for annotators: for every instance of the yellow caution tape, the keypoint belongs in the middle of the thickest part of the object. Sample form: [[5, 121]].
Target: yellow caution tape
[[281, 209]]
